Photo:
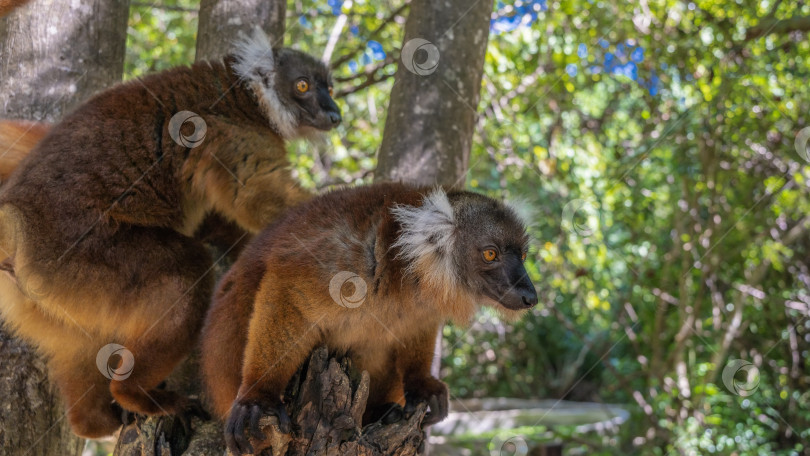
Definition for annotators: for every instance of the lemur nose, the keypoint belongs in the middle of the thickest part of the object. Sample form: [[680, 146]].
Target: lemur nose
[[334, 118], [529, 301]]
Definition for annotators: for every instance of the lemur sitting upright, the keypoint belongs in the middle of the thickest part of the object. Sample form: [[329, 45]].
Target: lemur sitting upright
[[95, 222], [414, 257]]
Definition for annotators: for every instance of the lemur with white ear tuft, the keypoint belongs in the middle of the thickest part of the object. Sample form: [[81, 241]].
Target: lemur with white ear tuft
[[414, 257], [95, 222]]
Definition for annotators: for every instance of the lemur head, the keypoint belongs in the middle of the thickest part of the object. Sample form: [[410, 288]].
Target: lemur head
[[463, 241], [294, 89]]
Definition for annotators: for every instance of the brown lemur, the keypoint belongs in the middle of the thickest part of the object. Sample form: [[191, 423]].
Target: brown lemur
[[95, 222], [415, 257]]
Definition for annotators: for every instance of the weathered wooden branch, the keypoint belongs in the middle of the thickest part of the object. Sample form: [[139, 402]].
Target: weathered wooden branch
[[325, 400]]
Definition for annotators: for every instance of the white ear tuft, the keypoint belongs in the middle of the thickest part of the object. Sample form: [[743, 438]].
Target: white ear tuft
[[427, 239], [256, 66], [254, 56]]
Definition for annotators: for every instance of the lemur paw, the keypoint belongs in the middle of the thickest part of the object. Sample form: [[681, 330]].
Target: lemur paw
[[434, 393], [243, 425]]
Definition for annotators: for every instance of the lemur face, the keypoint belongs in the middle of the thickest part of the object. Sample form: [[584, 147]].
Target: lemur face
[[492, 245], [467, 240], [292, 88], [304, 86]]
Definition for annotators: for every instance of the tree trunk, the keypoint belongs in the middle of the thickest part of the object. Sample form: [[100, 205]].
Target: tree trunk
[[221, 22], [57, 54], [54, 55], [432, 112]]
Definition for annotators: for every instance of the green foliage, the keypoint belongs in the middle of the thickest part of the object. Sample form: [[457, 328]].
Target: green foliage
[[160, 38], [671, 229]]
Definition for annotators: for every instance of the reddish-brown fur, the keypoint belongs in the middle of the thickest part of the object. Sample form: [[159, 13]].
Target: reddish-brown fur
[[7, 5], [94, 227], [17, 138], [274, 305]]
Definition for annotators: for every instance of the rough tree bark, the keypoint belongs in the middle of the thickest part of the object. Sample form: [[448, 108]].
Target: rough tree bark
[[221, 22], [53, 55], [432, 112], [56, 54], [325, 401]]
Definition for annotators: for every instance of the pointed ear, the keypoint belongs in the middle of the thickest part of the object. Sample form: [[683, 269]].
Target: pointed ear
[[427, 239], [254, 56]]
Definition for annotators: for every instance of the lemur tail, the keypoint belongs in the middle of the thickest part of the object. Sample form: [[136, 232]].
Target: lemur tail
[[17, 138]]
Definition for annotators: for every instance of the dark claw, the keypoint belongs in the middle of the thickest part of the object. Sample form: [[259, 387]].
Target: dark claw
[[234, 437], [246, 417], [284, 423], [435, 394], [438, 411], [255, 430], [242, 442]]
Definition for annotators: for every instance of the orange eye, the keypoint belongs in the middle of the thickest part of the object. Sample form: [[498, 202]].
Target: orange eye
[[302, 86], [331, 92], [523, 257], [490, 255]]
